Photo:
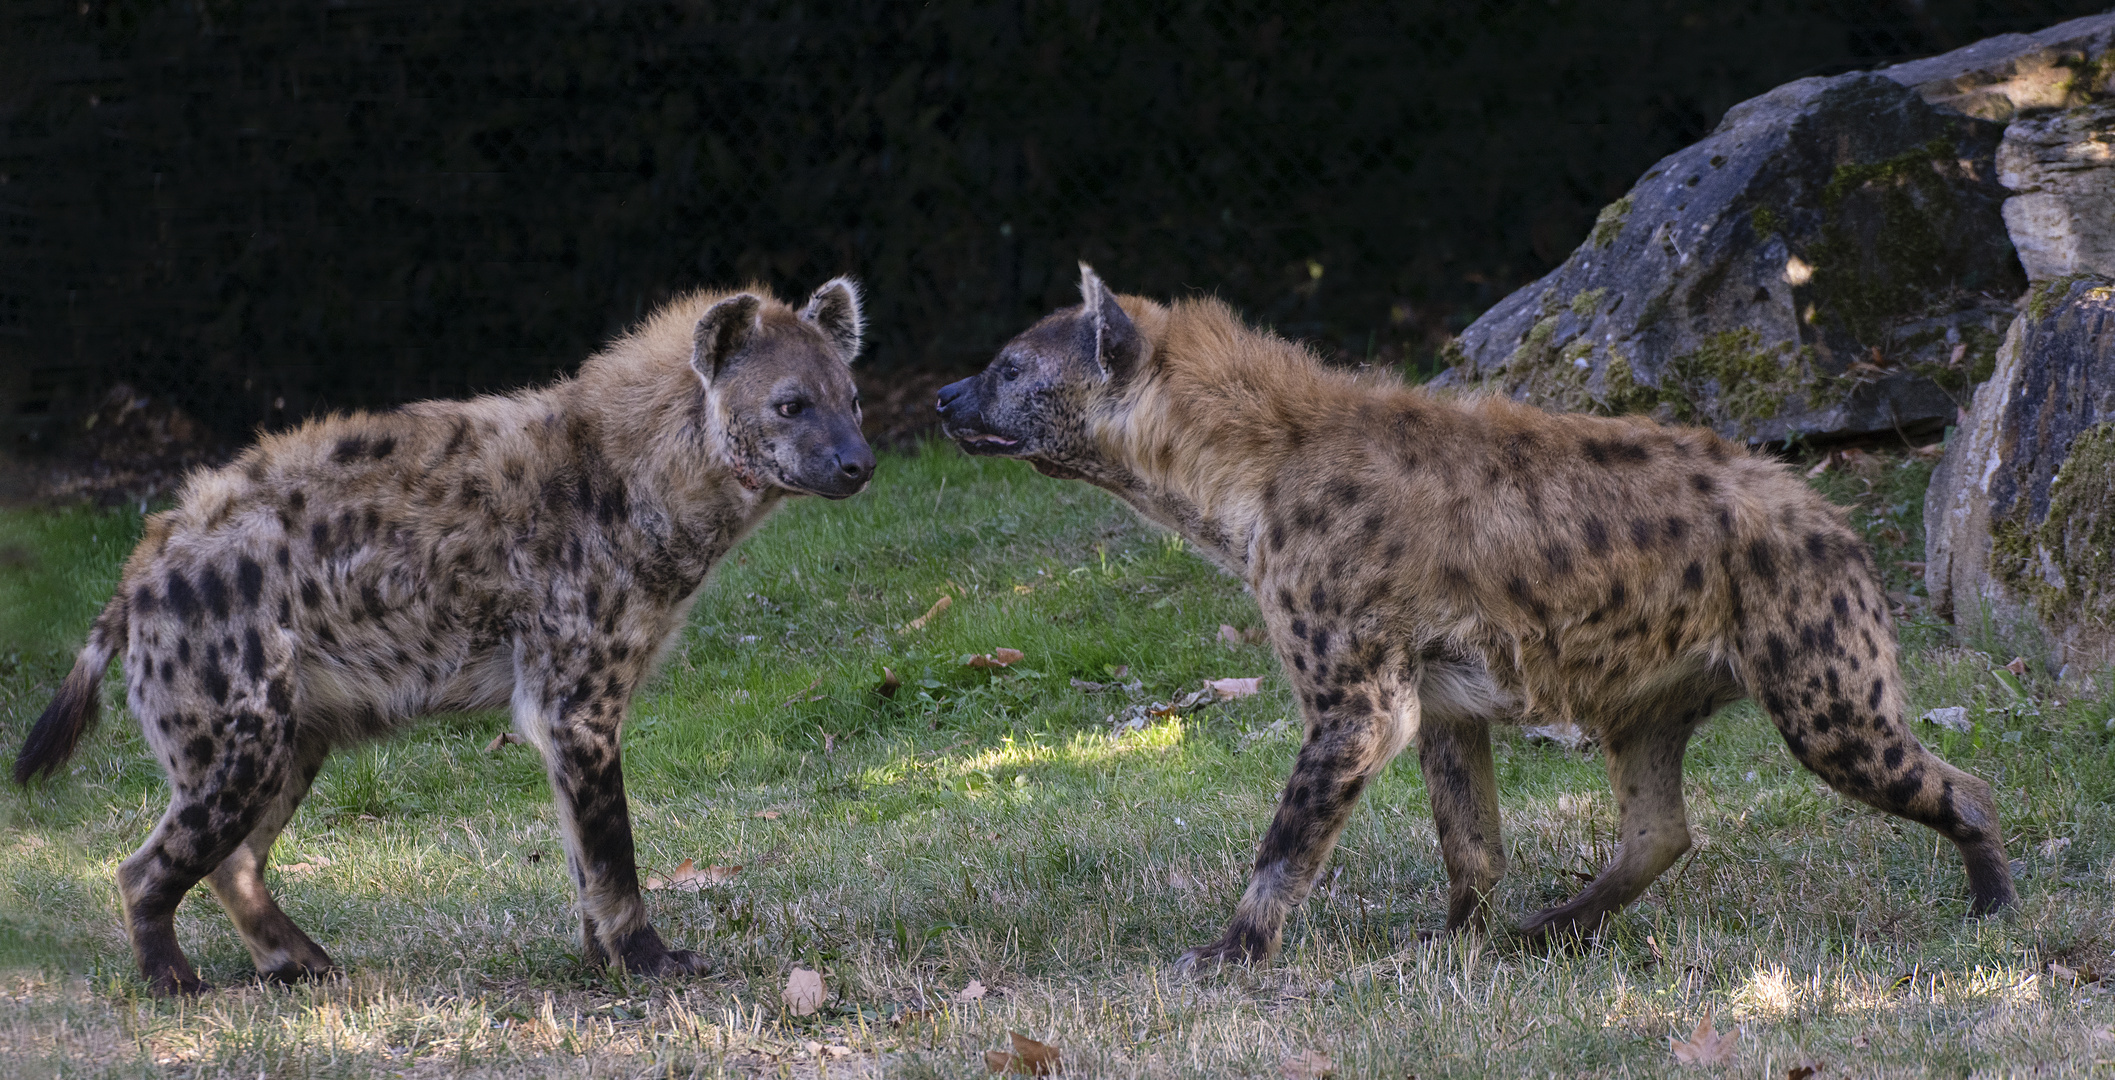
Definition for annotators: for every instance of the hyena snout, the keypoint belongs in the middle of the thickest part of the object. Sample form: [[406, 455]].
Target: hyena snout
[[962, 419], [840, 469]]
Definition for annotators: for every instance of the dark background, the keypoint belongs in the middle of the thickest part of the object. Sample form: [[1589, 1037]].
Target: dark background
[[259, 210]]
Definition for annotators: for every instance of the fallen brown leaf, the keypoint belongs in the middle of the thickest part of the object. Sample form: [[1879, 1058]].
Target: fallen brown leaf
[[315, 862], [1229, 689], [1861, 1041], [890, 682], [939, 607], [767, 815], [1232, 636], [997, 658], [1307, 1065], [1705, 1045], [688, 878], [504, 738], [1029, 1058], [804, 992], [1801, 1072], [2018, 667], [973, 992]]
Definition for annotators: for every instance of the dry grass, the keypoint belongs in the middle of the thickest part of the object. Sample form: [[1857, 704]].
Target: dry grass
[[990, 828]]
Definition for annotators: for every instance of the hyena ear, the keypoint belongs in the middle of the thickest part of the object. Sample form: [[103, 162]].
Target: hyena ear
[[726, 327], [1112, 338], [834, 310]]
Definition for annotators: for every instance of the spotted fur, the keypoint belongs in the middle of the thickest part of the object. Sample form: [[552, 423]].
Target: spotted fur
[[1428, 567], [537, 550]]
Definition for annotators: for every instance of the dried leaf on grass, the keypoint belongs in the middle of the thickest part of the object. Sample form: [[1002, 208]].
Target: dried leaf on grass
[[1705, 1046], [1229, 689], [2070, 976], [1028, 1058], [973, 992], [939, 608], [767, 815], [313, 862], [997, 658], [2018, 667], [1801, 1071], [890, 683], [1307, 1065], [688, 877], [504, 738], [1233, 636], [804, 992]]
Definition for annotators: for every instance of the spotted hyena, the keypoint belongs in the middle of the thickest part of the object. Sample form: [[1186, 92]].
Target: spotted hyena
[[536, 551], [1428, 567]]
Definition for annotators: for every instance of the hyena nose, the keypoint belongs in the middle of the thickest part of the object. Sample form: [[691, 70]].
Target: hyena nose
[[950, 394], [856, 466]]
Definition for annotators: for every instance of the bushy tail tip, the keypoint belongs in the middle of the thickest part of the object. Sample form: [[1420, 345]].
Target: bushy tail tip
[[73, 711]]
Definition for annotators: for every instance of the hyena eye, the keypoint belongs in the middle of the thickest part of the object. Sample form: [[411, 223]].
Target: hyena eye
[[790, 408], [1009, 371]]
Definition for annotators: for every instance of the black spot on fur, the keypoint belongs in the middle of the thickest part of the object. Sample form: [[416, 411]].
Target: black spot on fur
[[383, 447], [1779, 654], [1641, 533], [1893, 757], [297, 500], [280, 696], [350, 447], [1761, 562], [214, 679], [1346, 493], [1693, 577], [249, 580], [1818, 547], [1704, 485], [252, 654], [181, 599], [1596, 532], [143, 600], [1872, 700]]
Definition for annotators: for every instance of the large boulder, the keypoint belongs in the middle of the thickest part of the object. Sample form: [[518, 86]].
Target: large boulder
[[2020, 516], [1996, 78], [2060, 168], [1831, 261]]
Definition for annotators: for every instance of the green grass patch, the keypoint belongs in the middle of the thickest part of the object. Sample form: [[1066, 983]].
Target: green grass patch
[[989, 826]]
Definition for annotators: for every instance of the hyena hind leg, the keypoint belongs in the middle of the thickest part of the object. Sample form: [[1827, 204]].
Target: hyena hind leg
[[203, 825], [1455, 755], [282, 952], [1863, 749], [1644, 759]]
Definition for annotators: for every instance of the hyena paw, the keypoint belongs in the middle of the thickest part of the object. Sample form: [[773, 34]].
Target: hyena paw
[[295, 971], [1227, 951], [173, 985], [645, 954]]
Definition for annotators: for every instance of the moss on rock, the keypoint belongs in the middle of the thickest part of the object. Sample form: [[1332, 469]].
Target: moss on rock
[[2065, 563], [1608, 224]]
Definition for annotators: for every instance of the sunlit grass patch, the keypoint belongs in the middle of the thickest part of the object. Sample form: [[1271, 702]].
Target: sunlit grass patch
[[993, 825]]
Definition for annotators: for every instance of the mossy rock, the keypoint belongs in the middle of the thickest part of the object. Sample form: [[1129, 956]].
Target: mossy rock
[[1830, 262], [2020, 516]]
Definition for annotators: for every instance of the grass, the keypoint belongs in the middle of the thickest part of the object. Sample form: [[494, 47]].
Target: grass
[[988, 826]]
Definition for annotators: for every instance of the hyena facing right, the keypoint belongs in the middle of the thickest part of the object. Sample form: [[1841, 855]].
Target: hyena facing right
[[537, 550], [1429, 567]]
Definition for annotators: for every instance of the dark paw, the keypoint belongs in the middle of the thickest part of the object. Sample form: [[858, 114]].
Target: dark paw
[[644, 954], [1990, 903], [1212, 959], [298, 972], [177, 986]]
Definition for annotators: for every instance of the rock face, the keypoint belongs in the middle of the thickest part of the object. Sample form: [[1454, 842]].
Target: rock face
[[2020, 516], [1830, 261], [1996, 78], [2061, 169]]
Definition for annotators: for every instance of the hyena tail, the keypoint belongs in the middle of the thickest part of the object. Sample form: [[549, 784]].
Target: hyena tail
[[69, 716]]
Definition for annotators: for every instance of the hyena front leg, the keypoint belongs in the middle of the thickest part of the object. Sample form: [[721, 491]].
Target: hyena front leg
[[574, 718], [282, 952], [1455, 754], [1352, 732]]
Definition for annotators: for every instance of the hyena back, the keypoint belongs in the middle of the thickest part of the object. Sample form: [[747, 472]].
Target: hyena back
[[536, 551], [1429, 567]]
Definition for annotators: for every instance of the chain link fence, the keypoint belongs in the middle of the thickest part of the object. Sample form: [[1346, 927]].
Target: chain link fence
[[259, 211]]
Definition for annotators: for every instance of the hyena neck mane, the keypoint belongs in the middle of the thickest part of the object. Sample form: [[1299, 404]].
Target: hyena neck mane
[[652, 419], [1216, 415]]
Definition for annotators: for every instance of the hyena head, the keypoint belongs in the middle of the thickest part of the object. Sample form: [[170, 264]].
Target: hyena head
[[1038, 399], [780, 388]]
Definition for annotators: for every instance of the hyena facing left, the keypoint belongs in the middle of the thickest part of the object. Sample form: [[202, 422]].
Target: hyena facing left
[[536, 550], [1427, 568]]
